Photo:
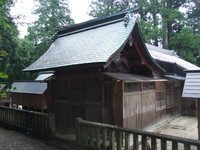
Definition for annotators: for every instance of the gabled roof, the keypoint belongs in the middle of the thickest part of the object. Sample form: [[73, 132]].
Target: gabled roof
[[170, 56], [93, 45], [92, 42], [29, 87]]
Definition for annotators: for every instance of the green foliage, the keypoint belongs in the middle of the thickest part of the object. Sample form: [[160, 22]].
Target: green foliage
[[3, 76], [187, 44], [53, 15], [8, 34], [193, 15], [3, 26], [23, 56], [101, 8]]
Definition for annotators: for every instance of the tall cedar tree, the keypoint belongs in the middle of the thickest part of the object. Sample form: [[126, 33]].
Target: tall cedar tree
[[53, 15], [8, 34]]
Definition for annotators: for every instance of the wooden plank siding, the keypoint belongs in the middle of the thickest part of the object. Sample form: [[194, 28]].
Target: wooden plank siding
[[100, 98], [132, 111], [37, 102], [144, 108], [80, 95], [139, 109]]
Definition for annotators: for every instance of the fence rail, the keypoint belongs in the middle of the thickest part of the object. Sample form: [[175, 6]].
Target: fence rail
[[104, 136], [35, 122]]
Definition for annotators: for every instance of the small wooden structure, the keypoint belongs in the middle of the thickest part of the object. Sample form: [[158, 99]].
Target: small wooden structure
[[33, 95], [192, 90], [104, 72], [30, 95]]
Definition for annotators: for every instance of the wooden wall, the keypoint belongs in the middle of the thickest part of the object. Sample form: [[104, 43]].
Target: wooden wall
[[97, 97], [78, 95], [139, 109], [37, 102], [144, 108]]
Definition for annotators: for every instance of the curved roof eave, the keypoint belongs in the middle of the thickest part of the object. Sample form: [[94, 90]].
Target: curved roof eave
[[152, 60]]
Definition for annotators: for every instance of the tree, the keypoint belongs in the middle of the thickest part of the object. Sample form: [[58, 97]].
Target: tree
[[187, 44], [8, 33], [101, 8], [171, 18], [193, 11], [24, 55], [4, 25], [53, 15]]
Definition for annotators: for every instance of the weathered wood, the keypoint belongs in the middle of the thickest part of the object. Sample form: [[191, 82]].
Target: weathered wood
[[78, 136], [86, 142], [163, 144], [52, 125], [39, 102], [111, 139], [104, 141], [121, 137], [139, 109], [144, 142], [98, 142], [119, 140], [135, 142], [35, 122], [186, 147], [92, 137], [153, 143], [198, 147], [174, 145], [127, 141], [118, 104]]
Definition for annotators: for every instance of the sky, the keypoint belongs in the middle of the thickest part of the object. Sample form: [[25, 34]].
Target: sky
[[79, 9]]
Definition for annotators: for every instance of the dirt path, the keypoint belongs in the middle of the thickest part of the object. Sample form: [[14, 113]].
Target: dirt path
[[12, 140]]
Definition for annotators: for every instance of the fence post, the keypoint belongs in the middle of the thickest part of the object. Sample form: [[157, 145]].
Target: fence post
[[78, 134], [52, 123]]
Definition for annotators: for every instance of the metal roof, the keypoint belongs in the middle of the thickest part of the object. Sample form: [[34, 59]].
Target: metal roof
[[170, 56], [177, 77], [192, 85], [44, 76], [128, 77], [33, 87], [95, 45]]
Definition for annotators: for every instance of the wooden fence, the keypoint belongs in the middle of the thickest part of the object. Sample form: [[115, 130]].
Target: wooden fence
[[34, 122], [104, 136]]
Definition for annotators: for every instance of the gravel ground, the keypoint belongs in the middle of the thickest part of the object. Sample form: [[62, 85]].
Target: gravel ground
[[12, 140], [183, 126]]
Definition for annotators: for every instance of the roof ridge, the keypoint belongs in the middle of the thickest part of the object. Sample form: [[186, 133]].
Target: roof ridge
[[101, 20]]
